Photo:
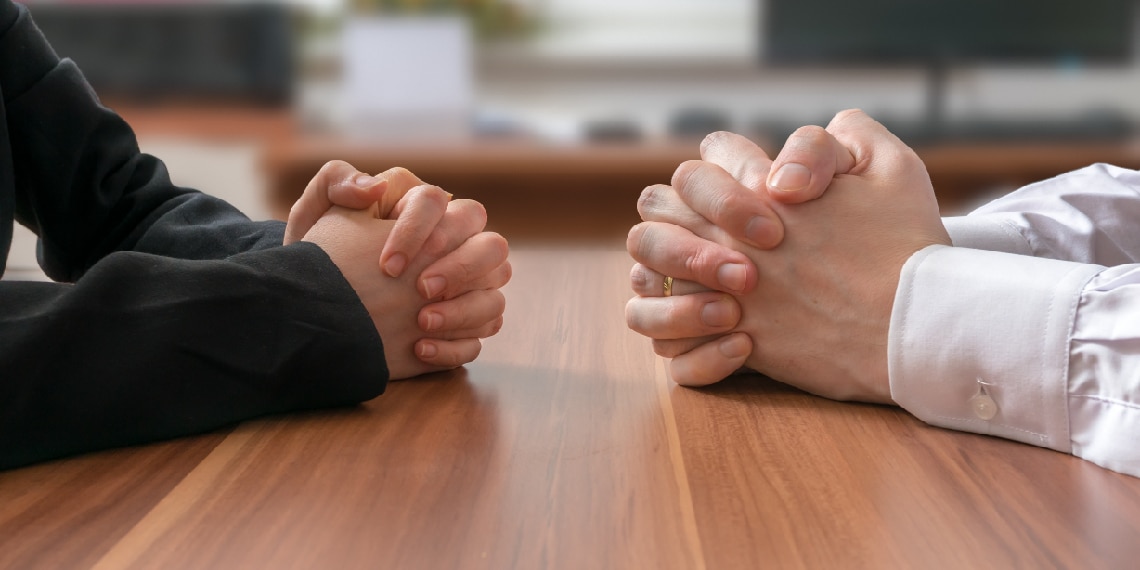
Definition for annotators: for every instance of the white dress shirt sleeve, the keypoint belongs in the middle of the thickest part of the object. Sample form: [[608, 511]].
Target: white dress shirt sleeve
[[1020, 330]]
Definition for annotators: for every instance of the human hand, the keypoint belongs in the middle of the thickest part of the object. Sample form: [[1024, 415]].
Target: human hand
[[690, 326], [480, 263], [398, 309], [820, 315], [398, 194]]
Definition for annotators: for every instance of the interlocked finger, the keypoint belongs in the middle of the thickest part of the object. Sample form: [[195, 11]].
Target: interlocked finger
[[649, 283]]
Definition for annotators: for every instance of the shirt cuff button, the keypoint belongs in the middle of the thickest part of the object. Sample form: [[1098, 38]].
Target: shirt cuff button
[[984, 406]]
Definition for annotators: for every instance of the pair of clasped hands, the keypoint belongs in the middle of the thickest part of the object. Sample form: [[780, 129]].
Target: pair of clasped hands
[[786, 267], [433, 289]]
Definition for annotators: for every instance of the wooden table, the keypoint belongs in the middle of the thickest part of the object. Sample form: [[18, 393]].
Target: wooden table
[[565, 446]]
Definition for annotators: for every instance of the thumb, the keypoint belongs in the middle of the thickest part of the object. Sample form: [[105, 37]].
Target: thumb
[[803, 170], [337, 183]]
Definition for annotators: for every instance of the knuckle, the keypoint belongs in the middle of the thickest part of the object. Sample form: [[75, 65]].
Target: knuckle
[[499, 246], [686, 171], [401, 176], [808, 139], [333, 166], [637, 242], [666, 348], [472, 208], [650, 199], [464, 272], [728, 204], [491, 250], [435, 246], [400, 171], [476, 348], [498, 303], [701, 264], [633, 315], [713, 140], [810, 132], [496, 326], [419, 192], [507, 272], [434, 192], [638, 278]]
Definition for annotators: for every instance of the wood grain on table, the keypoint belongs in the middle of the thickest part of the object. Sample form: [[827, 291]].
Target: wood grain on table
[[566, 446]]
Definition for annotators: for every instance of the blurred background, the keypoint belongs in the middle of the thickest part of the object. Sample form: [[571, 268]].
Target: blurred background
[[572, 106]]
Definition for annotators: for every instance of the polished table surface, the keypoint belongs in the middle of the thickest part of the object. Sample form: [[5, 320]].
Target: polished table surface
[[566, 446]]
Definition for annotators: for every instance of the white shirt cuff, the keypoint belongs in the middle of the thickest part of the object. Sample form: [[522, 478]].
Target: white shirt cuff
[[979, 340]]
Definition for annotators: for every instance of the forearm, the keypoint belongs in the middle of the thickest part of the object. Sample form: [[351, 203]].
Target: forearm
[[179, 347]]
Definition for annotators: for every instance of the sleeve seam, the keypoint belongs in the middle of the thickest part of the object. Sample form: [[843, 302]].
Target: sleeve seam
[[1110, 401], [1012, 231]]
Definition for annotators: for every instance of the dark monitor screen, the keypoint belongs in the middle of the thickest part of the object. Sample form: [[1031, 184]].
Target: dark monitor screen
[[876, 32]]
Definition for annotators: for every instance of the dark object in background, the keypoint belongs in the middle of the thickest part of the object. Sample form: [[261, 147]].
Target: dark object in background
[[695, 122], [942, 36], [1092, 125], [613, 130], [186, 52]]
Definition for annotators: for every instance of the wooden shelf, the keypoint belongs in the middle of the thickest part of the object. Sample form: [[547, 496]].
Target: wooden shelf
[[212, 122], [539, 191]]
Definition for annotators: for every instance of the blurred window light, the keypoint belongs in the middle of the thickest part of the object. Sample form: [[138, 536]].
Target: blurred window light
[[647, 29]]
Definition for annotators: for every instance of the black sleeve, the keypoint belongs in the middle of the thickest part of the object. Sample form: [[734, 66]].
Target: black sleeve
[[146, 347], [184, 316], [81, 183]]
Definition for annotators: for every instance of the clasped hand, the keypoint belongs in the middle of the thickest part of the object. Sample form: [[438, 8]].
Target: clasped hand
[[420, 262], [786, 267]]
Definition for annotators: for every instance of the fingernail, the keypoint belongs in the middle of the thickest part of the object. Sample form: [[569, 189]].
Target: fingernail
[[434, 321], [718, 313], [428, 350], [761, 231], [366, 181], [395, 264], [790, 177], [732, 276], [434, 286], [734, 346]]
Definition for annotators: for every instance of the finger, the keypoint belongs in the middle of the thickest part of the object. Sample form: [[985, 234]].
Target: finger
[[742, 212], [464, 268], [661, 203], [675, 251], [496, 279], [699, 314], [859, 133], [806, 165], [336, 183], [674, 347], [485, 330], [740, 157], [448, 353], [422, 209], [649, 283], [400, 181], [469, 311], [711, 362]]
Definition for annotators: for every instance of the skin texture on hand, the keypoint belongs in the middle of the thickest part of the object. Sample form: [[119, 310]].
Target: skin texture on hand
[[819, 315], [680, 325], [338, 183], [478, 264], [352, 238]]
